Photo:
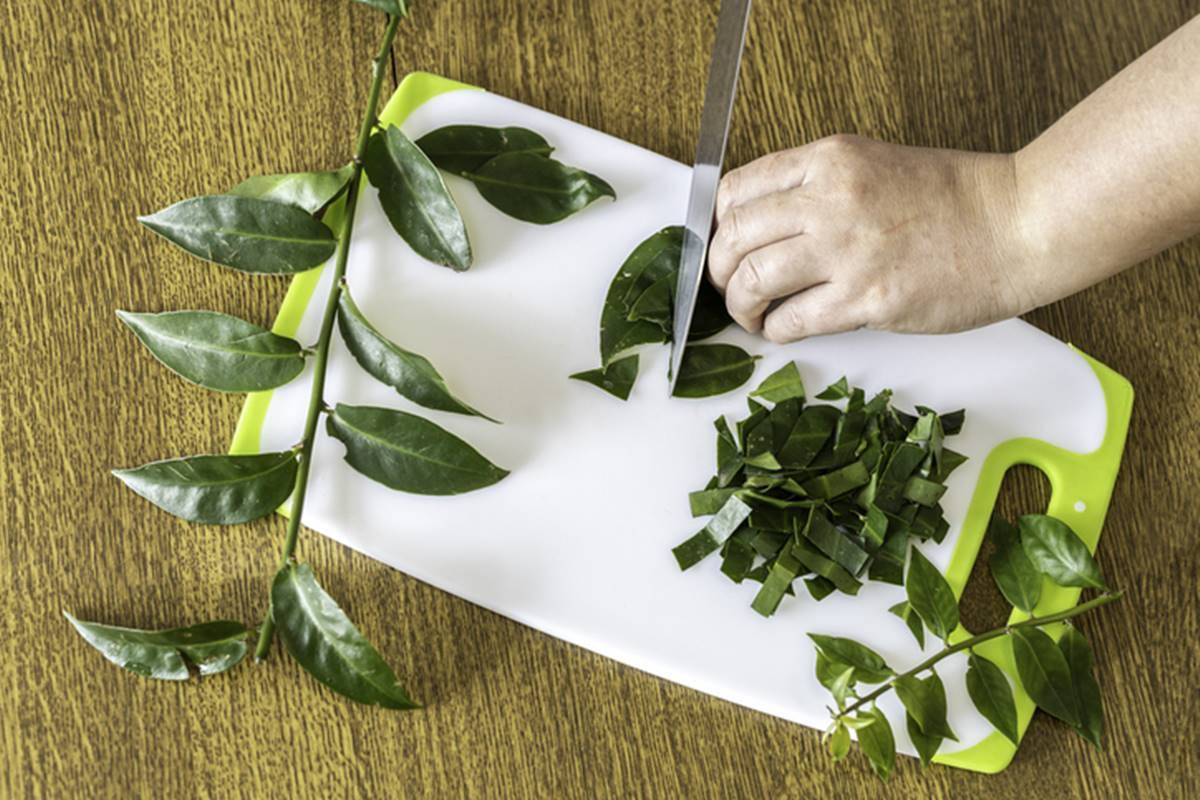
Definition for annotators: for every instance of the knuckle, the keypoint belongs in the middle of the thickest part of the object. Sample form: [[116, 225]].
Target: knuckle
[[728, 191], [753, 273]]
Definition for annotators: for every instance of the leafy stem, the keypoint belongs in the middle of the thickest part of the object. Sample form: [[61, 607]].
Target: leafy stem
[[316, 398], [974, 641]]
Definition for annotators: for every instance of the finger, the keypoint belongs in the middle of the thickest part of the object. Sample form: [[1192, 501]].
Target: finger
[[775, 172], [758, 223], [818, 311], [769, 273]]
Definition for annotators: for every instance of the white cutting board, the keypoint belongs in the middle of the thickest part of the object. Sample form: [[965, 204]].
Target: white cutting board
[[577, 541]]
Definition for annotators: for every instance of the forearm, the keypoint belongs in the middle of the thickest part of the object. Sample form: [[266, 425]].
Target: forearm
[[1118, 177]]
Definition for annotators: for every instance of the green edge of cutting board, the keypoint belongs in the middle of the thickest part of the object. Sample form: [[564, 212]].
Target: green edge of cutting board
[[1085, 478]]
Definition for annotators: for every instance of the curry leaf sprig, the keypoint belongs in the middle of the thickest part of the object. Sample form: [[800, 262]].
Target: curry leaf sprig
[[1057, 675], [284, 225], [816, 492], [639, 310]]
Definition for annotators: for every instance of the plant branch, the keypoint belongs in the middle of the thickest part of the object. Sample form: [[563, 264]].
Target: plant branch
[[967, 644], [316, 400]]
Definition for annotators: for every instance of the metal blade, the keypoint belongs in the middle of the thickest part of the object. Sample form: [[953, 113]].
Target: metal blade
[[706, 175]]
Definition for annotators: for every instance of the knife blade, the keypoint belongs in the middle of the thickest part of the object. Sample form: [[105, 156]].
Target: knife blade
[[706, 174]]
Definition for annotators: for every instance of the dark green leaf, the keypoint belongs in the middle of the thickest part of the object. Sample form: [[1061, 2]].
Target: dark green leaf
[[710, 538], [1078, 655], [1058, 552], [656, 303], [875, 525], [211, 647], [838, 482], [931, 596], [869, 666], [913, 620], [1014, 573], [923, 491], [782, 384], [463, 149], [993, 697], [925, 701], [839, 742], [398, 8], [409, 453], [711, 369], [322, 638], [218, 351], [877, 743], [710, 316], [412, 375], [778, 582], [534, 188], [834, 543], [709, 501], [836, 391], [814, 560], [654, 258], [927, 746], [819, 587], [617, 378], [416, 200], [220, 490], [245, 233], [311, 191], [738, 557], [1044, 673], [813, 428]]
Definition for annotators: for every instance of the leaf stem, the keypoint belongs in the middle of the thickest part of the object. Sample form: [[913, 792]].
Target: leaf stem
[[316, 400], [967, 644]]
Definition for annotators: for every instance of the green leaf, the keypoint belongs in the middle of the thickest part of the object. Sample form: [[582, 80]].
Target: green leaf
[[931, 596], [836, 391], [712, 369], [654, 258], [813, 428], [1058, 552], [877, 743], [463, 149], [1078, 655], [838, 482], [782, 384], [925, 701], [245, 233], [839, 742], [311, 191], [322, 638], [927, 746], [709, 501], [409, 453], [216, 489], [993, 697], [211, 647], [1044, 673], [398, 8], [912, 619], [617, 378], [869, 666], [834, 543], [842, 687], [816, 561], [412, 375], [534, 188], [217, 351], [1014, 573], [710, 538], [416, 200], [922, 491]]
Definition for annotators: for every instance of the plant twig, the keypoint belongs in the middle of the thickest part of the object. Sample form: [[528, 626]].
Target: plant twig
[[316, 402], [967, 644]]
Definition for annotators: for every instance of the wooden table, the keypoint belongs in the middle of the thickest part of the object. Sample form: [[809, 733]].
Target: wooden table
[[119, 107]]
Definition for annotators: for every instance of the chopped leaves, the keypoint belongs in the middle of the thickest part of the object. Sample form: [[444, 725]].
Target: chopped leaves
[[617, 378], [833, 495]]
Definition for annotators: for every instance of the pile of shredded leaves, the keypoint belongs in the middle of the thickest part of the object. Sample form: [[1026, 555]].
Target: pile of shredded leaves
[[830, 493]]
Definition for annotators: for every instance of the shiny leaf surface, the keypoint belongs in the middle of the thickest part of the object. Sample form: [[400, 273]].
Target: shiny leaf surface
[[409, 453], [218, 351], [416, 200], [1078, 655], [869, 666], [992, 695], [782, 384], [410, 374], [712, 369], [322, 638], [311, 191], [463, 149], [1019, 581], [1058, 552], [210, 647], [537, 189], [617, 379], [245, 233], [930, 595], [926, 745], [216, 489], [877, 742], [1044, 673], [925, 701]]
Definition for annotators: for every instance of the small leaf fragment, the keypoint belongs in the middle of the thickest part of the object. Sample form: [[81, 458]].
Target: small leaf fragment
[[216, 489], [617, 378], [319, 635], [782, 384], [839, 390]]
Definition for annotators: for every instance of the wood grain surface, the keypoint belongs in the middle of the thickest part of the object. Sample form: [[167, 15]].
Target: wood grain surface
[[112, 108]]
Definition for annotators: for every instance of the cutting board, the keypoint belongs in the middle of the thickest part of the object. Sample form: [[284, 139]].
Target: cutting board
[[577, 541]]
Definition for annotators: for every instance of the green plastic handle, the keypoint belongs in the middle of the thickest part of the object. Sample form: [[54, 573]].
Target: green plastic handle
[[1081, 487]]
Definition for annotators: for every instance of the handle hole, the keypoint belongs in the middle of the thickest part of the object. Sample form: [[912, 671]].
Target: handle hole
[[1024, 490]]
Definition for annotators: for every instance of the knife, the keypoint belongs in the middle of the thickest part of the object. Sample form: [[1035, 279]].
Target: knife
[[706, 174]]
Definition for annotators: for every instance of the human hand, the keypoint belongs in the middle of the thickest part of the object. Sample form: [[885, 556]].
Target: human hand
[[846, 232]]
